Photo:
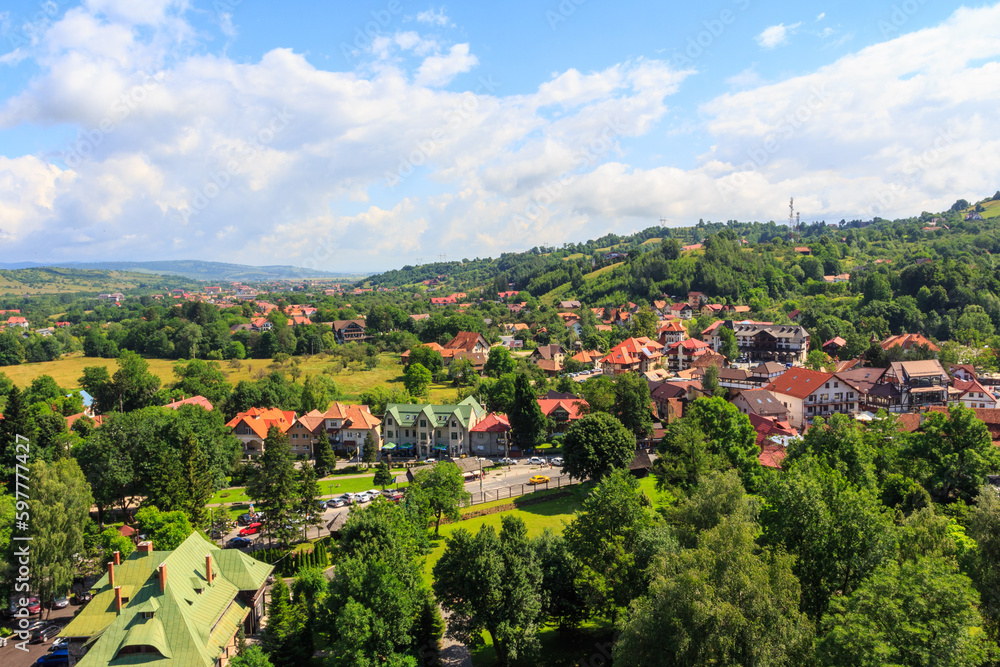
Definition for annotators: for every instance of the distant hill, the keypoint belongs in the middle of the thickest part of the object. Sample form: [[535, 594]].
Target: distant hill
[[196, 270], [40, 280]]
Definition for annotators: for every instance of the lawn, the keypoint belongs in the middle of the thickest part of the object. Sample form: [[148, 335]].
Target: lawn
[[351, 384], [327, 488]]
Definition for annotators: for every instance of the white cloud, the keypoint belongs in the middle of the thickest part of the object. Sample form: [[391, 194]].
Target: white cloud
[[821, 17], [746, 79], [776, 35], [440, 70], [434, 17]]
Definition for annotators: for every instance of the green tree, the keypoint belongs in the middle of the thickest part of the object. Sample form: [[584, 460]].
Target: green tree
[[838, 532], [166, 530], [728, 346], [202, 378], [368, 450], [443, 489], [196, 484], [595, 445], [16, 425], [563, 603], [685, 457], [134, 386], [308, 497], [11, 349], [730, 434], [951, 455], [273, 486], [499, 362], [599, 394], [984, 528], [60, 510], [724, 602], [427, 357], [111, 541], [254, 656], [912, 614], [632, 404], [416, 379], [326, 460], [710, 380], [492, 583], [527, 423], [841, 445], [604, 537], [283, 636], [383, 476], [644, 324], [819, 360]]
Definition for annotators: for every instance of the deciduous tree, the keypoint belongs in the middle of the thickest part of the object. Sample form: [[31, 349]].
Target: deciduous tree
[[596, 444]]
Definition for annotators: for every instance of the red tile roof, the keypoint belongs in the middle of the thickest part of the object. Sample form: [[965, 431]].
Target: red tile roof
[[572, 406], [465, 340], [194, 400], [493, 423], [908, 341], [260, 420], [798, 382]]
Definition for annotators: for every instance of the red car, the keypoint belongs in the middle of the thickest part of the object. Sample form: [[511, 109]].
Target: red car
[[252, 529], [34, 606]]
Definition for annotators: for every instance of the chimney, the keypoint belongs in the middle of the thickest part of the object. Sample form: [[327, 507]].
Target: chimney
[[118, 599], [163, 577], [208, 568], [118, 558], [146, 547], [111, 573]]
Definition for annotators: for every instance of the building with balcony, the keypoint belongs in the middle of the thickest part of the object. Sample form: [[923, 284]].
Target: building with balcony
[[439, 431]]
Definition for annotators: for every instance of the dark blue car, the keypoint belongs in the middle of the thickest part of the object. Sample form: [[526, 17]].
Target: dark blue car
[[55, 659]]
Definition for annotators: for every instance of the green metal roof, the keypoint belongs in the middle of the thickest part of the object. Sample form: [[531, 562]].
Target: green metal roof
[[187, 627], [437, 416]]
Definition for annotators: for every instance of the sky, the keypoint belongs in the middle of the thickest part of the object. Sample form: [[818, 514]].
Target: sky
[[362, 136]]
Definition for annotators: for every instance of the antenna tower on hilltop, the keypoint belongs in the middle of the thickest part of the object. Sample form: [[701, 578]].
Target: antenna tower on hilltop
[[791, 214]]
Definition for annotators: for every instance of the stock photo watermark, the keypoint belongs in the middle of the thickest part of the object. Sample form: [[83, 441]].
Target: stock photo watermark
[[699, 44], [28, 32], [900, 15], [20, 540], [364, 36]]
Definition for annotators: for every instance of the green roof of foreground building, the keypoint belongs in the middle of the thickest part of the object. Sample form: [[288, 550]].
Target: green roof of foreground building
[[187, 624]]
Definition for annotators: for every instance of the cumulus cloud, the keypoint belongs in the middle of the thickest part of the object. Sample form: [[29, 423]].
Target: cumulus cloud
[[434, 17], [279, 161], [776, 35]]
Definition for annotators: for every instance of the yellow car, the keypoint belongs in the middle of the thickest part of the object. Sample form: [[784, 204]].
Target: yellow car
[[538, 479]]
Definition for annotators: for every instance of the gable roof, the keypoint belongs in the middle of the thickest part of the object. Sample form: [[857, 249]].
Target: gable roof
[[259, 420], [192, 620], [798, 382], [908, 341], [311, 420], [466, 340], [194, 400], [763, 402], [493, 423], [571, 406]]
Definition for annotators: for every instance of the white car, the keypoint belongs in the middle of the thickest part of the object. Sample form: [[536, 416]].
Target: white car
[[536, 461], [360, 498], [557, 461], [507, 462]]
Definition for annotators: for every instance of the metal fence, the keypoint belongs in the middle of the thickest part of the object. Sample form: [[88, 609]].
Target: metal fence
[[488, 496]]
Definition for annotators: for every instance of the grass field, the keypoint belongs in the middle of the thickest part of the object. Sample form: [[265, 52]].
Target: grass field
[[67, 371], [992, 209], [60, 281]]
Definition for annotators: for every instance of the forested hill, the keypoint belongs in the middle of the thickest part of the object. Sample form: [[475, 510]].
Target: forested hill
[[739, 261], [199, 270]]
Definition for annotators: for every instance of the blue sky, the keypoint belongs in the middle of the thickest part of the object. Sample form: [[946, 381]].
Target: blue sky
[[361, 136]]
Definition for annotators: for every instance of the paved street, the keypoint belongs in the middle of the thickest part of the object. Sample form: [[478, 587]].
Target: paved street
[[10, 656]]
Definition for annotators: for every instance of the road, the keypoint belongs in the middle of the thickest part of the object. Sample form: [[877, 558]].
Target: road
[[500, 478], [10, 656]]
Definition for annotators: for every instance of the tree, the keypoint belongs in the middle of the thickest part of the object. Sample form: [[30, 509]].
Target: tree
[[563, 603], [308, 497], [644, 324], [838, 532], [599, 393], [368, 450], [730, 434], [596, 444], [728, 346], [196, 483], [685, 457], [16, 426], [282, 638], [710, 380], [443, 488], [491, 583], [133, 384], [632, 404], [109, 471], [166, 530], [984, 528], [527, 423], [202, 378], [416, 378], [916, 613], [499, 362], [60, 509], [309, 590], [111, 541], [951, 455], [254, 656], [11, 349], [604, 537], [722, 603], [383, 476], [273, 486], [427, 357], [840, 444], [326, 460]]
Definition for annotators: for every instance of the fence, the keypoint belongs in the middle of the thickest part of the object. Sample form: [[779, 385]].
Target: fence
[[480, 497]]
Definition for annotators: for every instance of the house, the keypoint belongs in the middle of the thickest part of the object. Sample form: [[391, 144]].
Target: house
[[633, 355], [176, 293], [679, 356], [420, 316], [510, 294], [771, 436], [803, 250], [738, 310], [963, 372], [672, 332], [767, 371], [260, 324], [347, 427], [762, 403], [552, 352], [346, 331], [562, 411], [808, 394], [569, 305], [696, 300], [470, 341], [615, 256], [591, 358], [972, 394], [921, 383], [251, 427], [735, 378], [833, 346], [991, 418], [784, 343], [194, 400], [973, 216], [215, 289], [183, 607], [511, 343], [872, 392], [839, 278], [431, 430], [490, 436], [477, 359], [908, 342], [693, 246], [63, 325], [17, 321], [306, 432], [682, 311], [117, 297]]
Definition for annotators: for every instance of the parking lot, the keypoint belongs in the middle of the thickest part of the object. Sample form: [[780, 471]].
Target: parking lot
[[11, 656]]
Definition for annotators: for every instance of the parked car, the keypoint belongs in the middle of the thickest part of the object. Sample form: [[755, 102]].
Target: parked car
[[395, 496], [34, 606], [536, 461], [557, 461], [80, 597], [60, 602], [252, 529], [507, 462], [244, 519], [43, 633], [340, 501], [58, 658], [538, 479], [59, 644], [360, 498], [239, 542], [321, 504]]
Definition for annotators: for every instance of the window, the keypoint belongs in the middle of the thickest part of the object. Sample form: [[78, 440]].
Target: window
[[423, 423], [388, 434], [480, 435], [454, 423], [407, 433], [454, 435]]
